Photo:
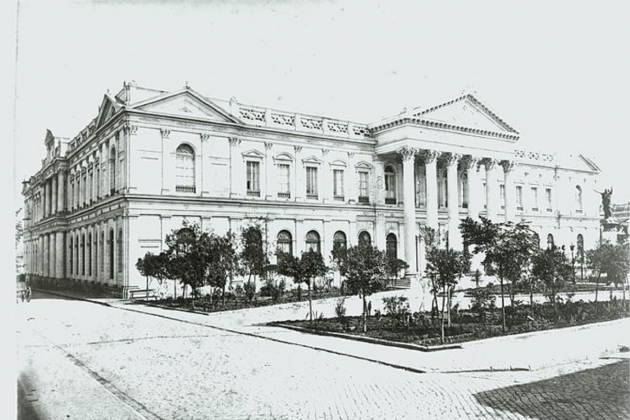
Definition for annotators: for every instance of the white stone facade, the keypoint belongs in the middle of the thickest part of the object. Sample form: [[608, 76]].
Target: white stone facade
[[151, 159]]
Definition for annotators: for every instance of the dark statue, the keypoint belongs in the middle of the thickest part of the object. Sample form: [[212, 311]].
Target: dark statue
[[606, 196]]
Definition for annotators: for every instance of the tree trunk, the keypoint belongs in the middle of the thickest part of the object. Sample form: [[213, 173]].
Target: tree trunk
[[531, 299], [448, 309], [442, 317], [364, 313], [502, 305], [310, 303], [597, 285], [147, 289], [174, 289], [223, 295]]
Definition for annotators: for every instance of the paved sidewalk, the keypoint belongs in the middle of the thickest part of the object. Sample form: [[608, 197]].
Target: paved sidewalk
[[530, 351]]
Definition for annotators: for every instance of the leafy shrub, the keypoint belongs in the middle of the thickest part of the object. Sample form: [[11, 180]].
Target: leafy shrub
[[250, 290], [482, 301], [396, 306], [340, 308]]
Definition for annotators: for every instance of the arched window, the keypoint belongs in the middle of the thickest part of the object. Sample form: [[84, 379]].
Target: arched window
[[285, 242], [390, 185], [96, 254], [312, 241], [537, 239], [76, 256], [339, 240], [70, 255], [578, 198], [185, 237], [89, 249], [391, 246], [112, 170], [550, 244], [111, 254], [119, 244], [185, 169], [365, 239]]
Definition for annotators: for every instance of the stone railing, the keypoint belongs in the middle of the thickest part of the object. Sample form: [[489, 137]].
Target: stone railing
[[537, 157], [264, 117]]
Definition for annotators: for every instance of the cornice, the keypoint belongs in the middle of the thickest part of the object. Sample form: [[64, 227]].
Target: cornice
[[443, 126]]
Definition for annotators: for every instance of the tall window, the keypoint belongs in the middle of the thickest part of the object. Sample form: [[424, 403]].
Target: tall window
[[465, 192], [284, 175], [421, 187], [76, 252], [534, 198], [550, 244], [365, 239], [311, 182], [442, 192], [83, 255], [338, 192], [112, 170], [98, 182], [70, 255], [185, 169], [96, 254], [119, 244], [253, 178], [89, 247], [537, 239], [364, 195], [548, 199], [285, 242], [339, 240], [390, 185], [519, 197], [502, 195], [578, 198], [111, 253], [102, 256], [391, 246], [312, 241], [91, 187]]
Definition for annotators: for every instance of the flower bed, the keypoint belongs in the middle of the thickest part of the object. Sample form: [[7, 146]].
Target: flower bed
[[422, 329]]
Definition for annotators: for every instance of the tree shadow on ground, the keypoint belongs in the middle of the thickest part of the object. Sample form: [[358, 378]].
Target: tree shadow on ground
[[602, 392]]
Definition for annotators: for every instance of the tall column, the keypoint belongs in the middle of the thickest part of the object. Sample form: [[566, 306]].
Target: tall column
[[299, 176], [408, 155], [53, 204], [236, 177], [269, 192], [46, 198], [327, 187], [510, 193], [60, 191], [59, 255], [454, 238], [472, 178], [430, 162], [492, 189]]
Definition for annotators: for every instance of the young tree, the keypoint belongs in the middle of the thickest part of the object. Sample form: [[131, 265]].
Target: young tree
[[508, 250], [446, 266], [600, 260], [553, 268], [253, 255], [186, 256], [365, 270], [221, 259], [144, 267], [303, 270]]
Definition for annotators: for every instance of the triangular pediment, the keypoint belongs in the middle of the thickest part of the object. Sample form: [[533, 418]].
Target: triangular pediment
[[186, 103], [466, 111], [108, 108]]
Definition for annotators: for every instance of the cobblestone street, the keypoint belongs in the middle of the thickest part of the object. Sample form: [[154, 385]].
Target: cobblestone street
[[81, 360]]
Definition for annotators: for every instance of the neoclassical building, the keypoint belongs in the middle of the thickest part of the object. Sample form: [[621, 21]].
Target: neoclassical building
[[152, 159]]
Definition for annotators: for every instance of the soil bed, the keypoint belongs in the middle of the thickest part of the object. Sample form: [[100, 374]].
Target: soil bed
[[421, 329]]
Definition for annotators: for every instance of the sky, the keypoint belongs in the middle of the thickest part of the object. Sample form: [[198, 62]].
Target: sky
[[557, 71]]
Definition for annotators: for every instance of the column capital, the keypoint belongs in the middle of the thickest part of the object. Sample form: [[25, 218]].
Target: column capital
[[430, 156], [489, 163], [235, 141], [407, 153], [452, 158], [165, 133], [470, 162], [204, 137], [508, 165]]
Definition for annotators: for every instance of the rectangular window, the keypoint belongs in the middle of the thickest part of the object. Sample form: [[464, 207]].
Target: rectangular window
[[311, 182], [502, 195], [253, 179], [534, 198], [338, 192], [363, 187], [284, 174], [519, 197], [549, 198]]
